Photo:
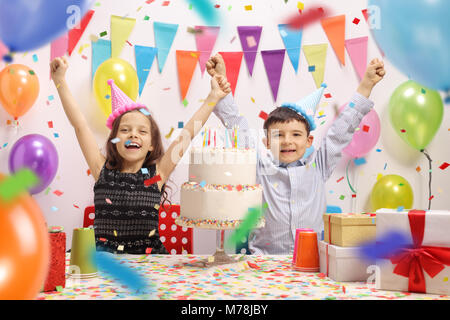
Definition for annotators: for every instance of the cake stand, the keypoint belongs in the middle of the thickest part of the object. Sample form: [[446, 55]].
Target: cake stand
[[220, 257]]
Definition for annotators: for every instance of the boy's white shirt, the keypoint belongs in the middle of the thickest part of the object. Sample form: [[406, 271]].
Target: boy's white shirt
[[295, 192]]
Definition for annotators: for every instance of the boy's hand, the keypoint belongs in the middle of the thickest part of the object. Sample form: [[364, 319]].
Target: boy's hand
[[215, 65], [220, 87], [58, 68], [374, 74]]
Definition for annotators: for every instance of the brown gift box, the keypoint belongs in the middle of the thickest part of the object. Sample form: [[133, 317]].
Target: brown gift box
[[349, 229]]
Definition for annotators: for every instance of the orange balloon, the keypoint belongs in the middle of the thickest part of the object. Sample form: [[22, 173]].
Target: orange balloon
[[24, 248], [19, 89]]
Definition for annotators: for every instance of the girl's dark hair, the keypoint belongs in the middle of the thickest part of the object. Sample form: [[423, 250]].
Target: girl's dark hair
[[114, 161], [284, 115]]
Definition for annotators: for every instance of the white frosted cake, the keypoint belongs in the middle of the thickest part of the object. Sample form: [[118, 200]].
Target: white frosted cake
[[221, 188]]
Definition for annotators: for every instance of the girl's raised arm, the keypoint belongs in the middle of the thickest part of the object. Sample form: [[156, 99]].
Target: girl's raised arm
[[86, 139], [219, 89]]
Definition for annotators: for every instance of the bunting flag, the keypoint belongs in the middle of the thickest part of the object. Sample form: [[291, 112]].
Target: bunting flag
[[101, 51], [334, 27], [357, 50], [121, 29], [59, 46], [292, 42], [205, 40], [186, 62], [250, 36], [164, 36], [233, 62], [273, 61], [144, 61], [316, 55], [76, 33]]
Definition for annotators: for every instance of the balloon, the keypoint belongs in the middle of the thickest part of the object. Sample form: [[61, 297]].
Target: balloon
[[124, 77], [391, 192], [24, 248], [30, 24], [366, 137], [415, 37], [19, 89], [416, 113], [38, 154]]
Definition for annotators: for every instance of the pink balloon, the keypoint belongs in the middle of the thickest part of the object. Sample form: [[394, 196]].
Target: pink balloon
[[366, 137]]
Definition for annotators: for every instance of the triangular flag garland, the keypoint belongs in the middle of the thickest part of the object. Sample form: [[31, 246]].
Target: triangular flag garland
[[76, 33], [186, 62], [101, 51], [205, 40], [357, 50], [121, 29], [233, 62], [144, 61], [334, 27], [273, 62], [250, 36], [316, 56], [292, 42], [164, 36], [59, 46]]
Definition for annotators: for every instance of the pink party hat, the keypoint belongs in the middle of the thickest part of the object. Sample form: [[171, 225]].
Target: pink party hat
[[121, 103]]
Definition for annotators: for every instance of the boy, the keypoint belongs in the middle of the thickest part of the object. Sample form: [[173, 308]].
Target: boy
[[294, 188]]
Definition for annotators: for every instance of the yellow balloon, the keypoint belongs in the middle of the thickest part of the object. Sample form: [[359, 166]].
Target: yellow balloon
[[392, 191], [124, 77]]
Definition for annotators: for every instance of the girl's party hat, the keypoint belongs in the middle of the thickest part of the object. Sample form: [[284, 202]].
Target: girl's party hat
[[307, 106], [120, 103]]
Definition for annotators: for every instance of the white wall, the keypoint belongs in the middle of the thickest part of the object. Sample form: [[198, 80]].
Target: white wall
[[167, 107]]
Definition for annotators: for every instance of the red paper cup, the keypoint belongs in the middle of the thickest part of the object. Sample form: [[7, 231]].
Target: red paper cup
[[307, 258], [297, 231]]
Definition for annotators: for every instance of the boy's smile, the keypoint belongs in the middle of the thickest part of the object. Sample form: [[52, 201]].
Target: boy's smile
[[288, 141]]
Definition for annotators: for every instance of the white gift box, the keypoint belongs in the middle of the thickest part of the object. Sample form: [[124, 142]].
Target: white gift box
[[436, 234], [344, 263]]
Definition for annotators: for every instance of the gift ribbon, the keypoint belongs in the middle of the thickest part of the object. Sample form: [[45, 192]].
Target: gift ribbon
[[412, 261]]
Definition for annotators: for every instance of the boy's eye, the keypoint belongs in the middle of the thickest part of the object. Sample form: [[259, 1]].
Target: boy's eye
[[144, 132]]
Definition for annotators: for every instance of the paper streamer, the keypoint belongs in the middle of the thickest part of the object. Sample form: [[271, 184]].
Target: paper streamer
[[164, 36], [205, 41], [292, 42], [121, 29], [357, 50], [273, 62], [186, 63], [206, 10], [334, 28], [101, 51], [316, 56], [144, 61], [13, 186], [250, 36], [76, 33]]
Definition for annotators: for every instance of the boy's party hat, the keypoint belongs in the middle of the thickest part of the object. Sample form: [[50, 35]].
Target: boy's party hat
[[307, 106], [120, 103]]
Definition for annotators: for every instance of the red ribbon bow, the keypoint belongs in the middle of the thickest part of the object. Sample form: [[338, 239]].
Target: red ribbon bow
[[412, 261]]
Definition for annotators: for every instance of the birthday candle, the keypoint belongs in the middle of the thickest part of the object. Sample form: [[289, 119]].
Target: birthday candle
[[214, 138], [235, 138], [226, 138], [204, 138], [209, 137]]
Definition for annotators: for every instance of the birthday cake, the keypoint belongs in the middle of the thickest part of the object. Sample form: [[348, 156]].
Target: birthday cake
[[221, 188]]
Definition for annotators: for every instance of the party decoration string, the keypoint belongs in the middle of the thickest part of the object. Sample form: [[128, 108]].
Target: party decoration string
[[348, 180], [429, 180]]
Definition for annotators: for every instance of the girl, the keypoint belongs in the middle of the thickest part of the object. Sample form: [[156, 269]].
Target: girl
[[131, 179]]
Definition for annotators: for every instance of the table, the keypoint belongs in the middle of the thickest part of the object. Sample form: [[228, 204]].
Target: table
[[177, 277]]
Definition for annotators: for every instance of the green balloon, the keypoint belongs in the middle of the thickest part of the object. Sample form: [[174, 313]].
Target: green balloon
[[416, 113]]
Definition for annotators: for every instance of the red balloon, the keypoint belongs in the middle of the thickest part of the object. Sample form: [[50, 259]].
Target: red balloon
[[24, 248]]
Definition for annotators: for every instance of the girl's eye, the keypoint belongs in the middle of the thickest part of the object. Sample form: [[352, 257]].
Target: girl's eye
[[144, 132]]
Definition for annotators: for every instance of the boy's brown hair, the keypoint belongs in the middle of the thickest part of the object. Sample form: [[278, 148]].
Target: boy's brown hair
[[114, 161], [284, 115]]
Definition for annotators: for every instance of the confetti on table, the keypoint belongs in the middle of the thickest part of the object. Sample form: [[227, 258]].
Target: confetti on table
[[152, 180], [202, 183], [14, 185]]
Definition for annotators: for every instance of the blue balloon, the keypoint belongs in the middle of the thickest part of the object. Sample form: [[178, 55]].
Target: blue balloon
[[30, 24], [415, 37]]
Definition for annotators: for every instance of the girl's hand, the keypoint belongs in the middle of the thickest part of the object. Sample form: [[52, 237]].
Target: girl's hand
[[220, 87], [58, 68], [374, 73]]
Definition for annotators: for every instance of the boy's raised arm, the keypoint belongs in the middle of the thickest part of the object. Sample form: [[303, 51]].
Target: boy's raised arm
[[341, 132]]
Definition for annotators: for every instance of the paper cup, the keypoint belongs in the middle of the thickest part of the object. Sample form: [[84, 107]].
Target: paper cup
[[82, 264], [307, 258], [297, 232]]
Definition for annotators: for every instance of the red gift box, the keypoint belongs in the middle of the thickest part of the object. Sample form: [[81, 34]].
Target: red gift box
[[176, 239], [57, 269]]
